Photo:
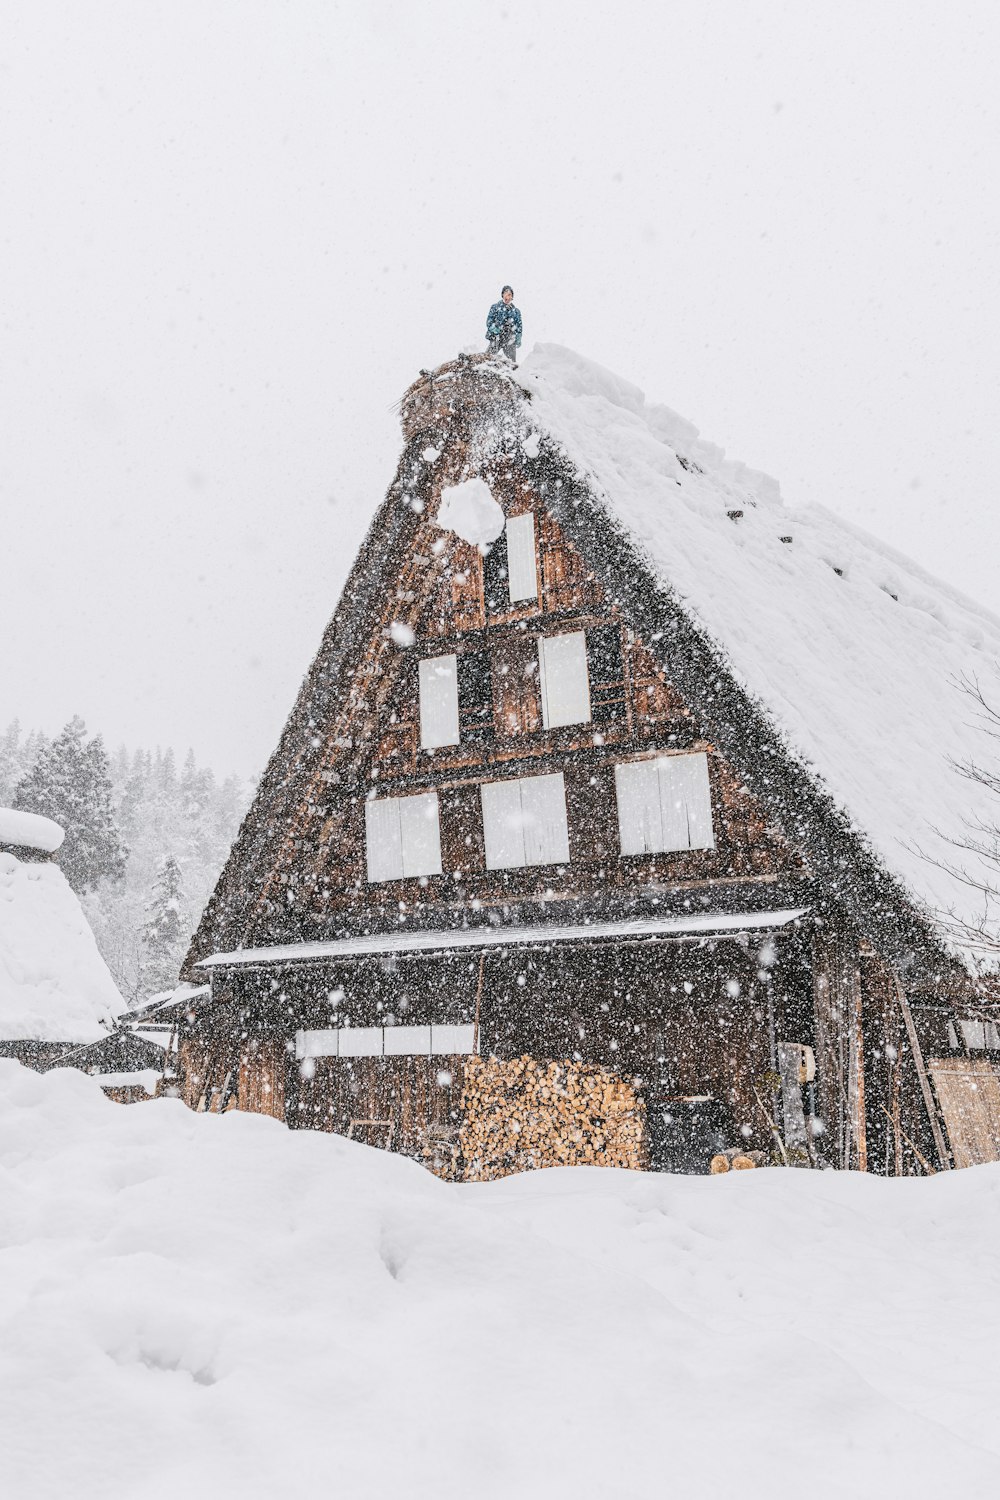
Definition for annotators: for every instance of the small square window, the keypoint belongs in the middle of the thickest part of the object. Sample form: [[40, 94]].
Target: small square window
[[524, 822], [402, 837], [664, 805]]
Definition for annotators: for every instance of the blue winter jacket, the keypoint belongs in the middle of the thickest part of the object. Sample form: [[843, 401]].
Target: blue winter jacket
[[504, 324]]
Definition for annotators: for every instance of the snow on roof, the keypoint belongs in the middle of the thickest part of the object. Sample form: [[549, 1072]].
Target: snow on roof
[[854, 652], [29, 830], [54, 984], [696, 924]]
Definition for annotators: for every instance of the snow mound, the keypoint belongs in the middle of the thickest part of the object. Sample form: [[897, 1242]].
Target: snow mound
[[855, 652], [29, 830], [54, 984], [470, 511], [217, 1305]]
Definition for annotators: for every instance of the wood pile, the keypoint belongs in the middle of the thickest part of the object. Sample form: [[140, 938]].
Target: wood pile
[[520, 1115], [737, 1159]]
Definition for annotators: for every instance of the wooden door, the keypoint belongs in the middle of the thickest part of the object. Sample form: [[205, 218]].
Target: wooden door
[[969, 1091]]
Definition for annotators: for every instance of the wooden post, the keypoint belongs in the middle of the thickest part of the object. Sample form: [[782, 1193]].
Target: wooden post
[[479, 1001], [837, 1005], [828, 1064], [897, 1127], [925, 1087], [789, 1057], [856, 1071]]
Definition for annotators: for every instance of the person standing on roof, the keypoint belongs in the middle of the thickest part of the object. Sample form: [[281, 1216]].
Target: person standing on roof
[[503, 326]]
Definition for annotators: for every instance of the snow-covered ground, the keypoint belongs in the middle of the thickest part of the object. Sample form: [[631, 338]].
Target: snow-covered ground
[[200, 1305]]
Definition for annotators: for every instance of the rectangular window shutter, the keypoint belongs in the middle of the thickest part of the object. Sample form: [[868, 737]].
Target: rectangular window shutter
[[407, 1041], [562, 664], [686, 802], [974, 1033], [420, 834], [701, 834], [607, 673], [637, 789], [543, 812], [673, 805], [448, 1041], [503, 827], [475, 693], [361, 1041], [386, 1041], [523, 579], [316, 1044], [383, 843], [496, 594], [438, 702], [402, 837]]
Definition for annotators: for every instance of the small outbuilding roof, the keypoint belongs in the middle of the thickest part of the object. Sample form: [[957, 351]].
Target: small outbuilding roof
[[25, 830], [54, 985]]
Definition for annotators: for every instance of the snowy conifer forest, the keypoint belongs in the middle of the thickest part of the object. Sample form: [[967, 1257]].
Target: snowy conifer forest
[[146, 839]]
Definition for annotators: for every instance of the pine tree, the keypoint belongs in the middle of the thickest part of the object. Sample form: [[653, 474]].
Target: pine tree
[[10, 761], [17, 757], [166, 930], [71, 782]]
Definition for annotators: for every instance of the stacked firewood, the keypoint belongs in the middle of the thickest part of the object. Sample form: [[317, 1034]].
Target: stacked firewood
[[737, 1159], [524, 1114]]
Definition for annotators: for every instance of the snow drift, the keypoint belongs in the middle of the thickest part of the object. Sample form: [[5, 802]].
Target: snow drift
[[855, 653], [54, 984], [216, 1305], [28, 830]]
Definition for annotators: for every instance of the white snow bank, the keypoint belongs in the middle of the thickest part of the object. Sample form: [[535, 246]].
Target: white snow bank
[[29, 830], [854, 651], [216, 1305], [470, 511], [54, 984]]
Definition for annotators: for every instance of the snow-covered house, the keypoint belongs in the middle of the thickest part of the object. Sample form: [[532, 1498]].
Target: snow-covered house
[[611, 760], [56, 992]]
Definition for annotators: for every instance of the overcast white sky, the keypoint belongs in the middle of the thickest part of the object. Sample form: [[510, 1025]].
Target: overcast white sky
[[231, 233]]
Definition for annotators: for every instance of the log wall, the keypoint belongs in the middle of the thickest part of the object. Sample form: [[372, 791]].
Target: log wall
[[406, 1104]]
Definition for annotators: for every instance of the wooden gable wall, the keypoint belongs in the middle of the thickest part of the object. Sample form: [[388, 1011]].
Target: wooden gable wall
[[319, 883]]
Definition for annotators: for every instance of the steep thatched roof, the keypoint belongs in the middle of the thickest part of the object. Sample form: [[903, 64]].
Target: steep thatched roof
[[822, 667]]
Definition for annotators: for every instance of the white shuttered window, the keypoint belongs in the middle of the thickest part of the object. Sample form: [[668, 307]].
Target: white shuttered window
[[449, 1040], [407, 1041], [386, 1041], [664, 805], [402, 837], [315, 1044], [522, 574], [360, 1041], [438, 702], [524, 822], [562, 671]]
